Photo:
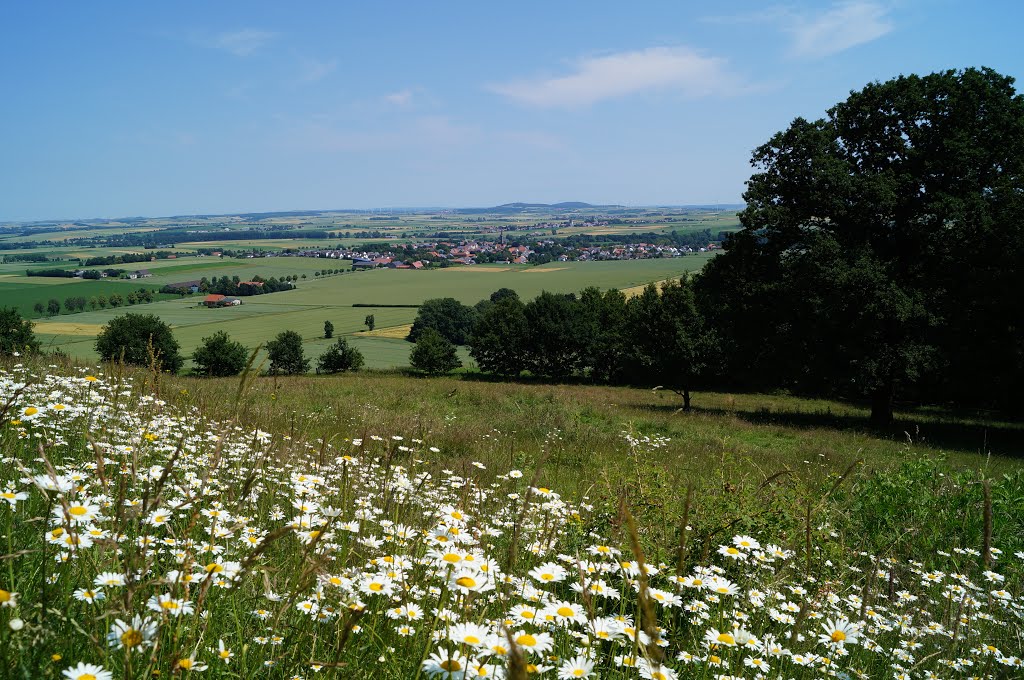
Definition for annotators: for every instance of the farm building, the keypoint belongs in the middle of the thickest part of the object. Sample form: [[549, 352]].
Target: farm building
[[217, 300]]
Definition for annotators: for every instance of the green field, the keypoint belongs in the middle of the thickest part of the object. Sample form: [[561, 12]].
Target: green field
[[304, 310]]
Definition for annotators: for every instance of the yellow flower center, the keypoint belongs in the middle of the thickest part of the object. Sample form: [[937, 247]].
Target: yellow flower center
[[658, 675], [86, 676], [565, 611], [547, 577], [31, 411], [733, 551], [7, 494], [526, 640], [169, 604], [838, 636], [78, 510], [131, 637], [527, 614], [185, 664], [5, 596], [224, 653], [715, 659], [726, 639], [450, 665], [578, 672], [456, 515], [465, 582], [452, 558], [376, 587], [499, 650], [214, 567], [472, 640], [90, 378]]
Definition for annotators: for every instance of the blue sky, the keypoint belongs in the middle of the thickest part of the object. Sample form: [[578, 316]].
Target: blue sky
[[143, 108]]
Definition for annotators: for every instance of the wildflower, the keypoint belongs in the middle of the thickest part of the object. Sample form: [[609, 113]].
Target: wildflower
[[90, 596], [714, 637], [580, 667], [550, 572], [838, 632], [8, 599], [139, 633], [223, 653], [538, 643], [468, 634], [81, 512], [12, 497], [168, 604], [190, 664], [470, 581], [446, 664], [87, 671], [746, 542], [655, 671]]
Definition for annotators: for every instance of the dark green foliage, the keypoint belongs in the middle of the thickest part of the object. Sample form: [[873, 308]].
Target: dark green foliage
[[449, 317], [16, 335], [370, 321], [498, 342], [219, 356], [434, 354], [328, 330], [286, 355], [53, 307], [139, 339], [671, 345], [882, 249], [340, 357], [557, 341]]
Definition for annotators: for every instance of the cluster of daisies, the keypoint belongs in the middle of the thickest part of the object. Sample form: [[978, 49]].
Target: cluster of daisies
[[145, 540]]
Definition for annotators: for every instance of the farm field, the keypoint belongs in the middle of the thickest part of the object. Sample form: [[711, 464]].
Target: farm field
[[316, 300]]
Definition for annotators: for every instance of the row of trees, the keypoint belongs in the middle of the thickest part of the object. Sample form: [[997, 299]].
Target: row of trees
[[79, 303]]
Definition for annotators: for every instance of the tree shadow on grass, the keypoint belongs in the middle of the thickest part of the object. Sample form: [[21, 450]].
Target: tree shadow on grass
[[966, 436]]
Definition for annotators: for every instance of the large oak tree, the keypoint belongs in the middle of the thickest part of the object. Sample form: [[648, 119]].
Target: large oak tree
[[882, 247]]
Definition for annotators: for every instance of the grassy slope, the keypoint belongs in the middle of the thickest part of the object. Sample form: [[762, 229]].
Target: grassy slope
[[726, 449]]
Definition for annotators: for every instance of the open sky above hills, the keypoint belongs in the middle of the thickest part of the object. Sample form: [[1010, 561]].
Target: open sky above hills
[[128, 108]]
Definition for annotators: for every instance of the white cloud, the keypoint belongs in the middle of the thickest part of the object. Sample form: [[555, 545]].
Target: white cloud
[[240, 43], [678, 69], [314, 69], [400, 98], [843, 26], [823, 32]]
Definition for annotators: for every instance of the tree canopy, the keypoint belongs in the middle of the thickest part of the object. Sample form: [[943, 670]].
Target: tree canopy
[[139, 339], [881, 246], [286, 354], [219, 356], [340, 357], [434, 354], [16, 334], [449, 317]]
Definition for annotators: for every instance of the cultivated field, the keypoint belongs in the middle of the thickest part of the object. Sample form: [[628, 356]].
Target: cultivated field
[[318, 299]]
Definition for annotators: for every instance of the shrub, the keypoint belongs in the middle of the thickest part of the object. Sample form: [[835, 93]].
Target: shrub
[[433, 354], [16, 335], [340, 357], [219, 356], [286, 355], [139, 339]]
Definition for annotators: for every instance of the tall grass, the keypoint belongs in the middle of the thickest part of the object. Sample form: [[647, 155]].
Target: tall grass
[[394, 528]]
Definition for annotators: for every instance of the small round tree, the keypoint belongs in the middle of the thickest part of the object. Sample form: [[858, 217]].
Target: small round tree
[[328, 330], [286, 356], [340, 357], [16, 336], [219, 356], [141, 340], [434, 354]]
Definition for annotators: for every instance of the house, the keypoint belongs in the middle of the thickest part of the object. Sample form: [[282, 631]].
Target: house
[[230, 302], [192, 286], [417, 265], [214, 300], [144, 273], [360, 263]]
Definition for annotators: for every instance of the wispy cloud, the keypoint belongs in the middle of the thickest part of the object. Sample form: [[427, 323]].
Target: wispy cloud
[[823, 32], [313, 70], [400, 98], [593, 79], [241, 43]]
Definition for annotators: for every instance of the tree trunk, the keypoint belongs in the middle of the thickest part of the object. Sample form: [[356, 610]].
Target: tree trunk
[[686, 400], [881, 405]]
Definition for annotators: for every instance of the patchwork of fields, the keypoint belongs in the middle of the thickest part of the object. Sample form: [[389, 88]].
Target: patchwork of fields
[[316, 300]]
